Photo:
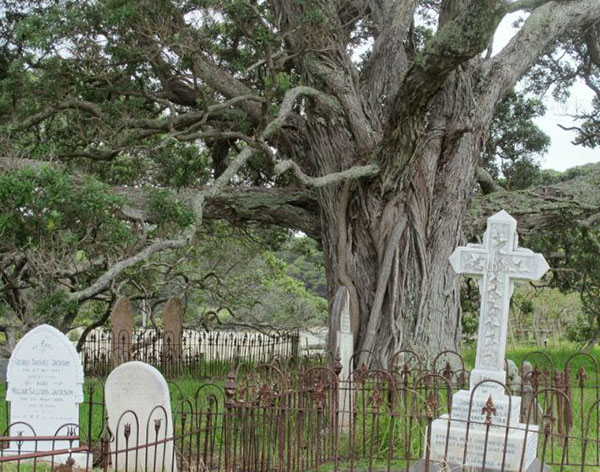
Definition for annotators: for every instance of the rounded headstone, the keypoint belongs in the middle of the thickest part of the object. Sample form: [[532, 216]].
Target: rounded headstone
[[137, 395], [122, 321], [45, 384], [173, 328]]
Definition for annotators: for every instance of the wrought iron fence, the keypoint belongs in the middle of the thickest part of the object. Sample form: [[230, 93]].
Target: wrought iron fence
[[195, 353], [272, 417]]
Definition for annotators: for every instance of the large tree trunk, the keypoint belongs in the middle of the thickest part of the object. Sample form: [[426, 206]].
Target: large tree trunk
[[391, 249]]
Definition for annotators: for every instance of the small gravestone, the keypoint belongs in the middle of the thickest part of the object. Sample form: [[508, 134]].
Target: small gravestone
[[512, 376], [173, 328], [136, 387], [122, 321], [45, 388], [498, 262], [344, 346]]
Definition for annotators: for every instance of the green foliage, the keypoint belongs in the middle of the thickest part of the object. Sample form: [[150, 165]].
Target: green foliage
[[293, 294], [164, 209], [41, 208], [243, 271], [574, 255], [305, 263], [515, 141], [51, 308], [181, 165], [55, 235], [112, 88]]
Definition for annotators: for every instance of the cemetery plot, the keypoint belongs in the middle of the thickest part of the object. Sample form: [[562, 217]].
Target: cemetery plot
[[288, 414], [297, 414], [477, 431]]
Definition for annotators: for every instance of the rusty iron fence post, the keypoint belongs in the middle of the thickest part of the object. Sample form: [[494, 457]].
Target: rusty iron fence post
[[431, 405], [105, 439], [230, 388]]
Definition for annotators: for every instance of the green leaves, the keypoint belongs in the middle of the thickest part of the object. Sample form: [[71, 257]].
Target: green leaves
[[166, 210], [52, 307], [515, 141], [42, 208]]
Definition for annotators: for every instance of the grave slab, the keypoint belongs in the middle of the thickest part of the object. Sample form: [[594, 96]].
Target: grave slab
[[138, 405], [122, 320], [345, 348], [173, 329], [498, 444], [419, 466]]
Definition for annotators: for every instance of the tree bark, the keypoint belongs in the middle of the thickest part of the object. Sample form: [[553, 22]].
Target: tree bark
[[391, 250]]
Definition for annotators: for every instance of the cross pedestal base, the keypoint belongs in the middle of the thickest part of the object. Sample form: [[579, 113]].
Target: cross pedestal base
[[419, 466], [506, 409], [510, 449], [500, 447]]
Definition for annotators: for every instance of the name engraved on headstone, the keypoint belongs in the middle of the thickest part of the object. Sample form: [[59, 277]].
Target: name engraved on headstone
[[45, 381], [494, 447]]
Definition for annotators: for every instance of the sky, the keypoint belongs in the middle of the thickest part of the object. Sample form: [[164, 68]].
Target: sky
[[562, 153]]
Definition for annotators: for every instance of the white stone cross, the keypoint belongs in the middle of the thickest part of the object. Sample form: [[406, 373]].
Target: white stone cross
[[498, 262]]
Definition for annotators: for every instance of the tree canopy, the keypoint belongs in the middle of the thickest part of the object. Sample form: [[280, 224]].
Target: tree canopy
[[173, 113]]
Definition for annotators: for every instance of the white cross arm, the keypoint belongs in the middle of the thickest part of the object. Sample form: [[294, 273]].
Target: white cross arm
[[526, 265], [469, 260], [522, 264]]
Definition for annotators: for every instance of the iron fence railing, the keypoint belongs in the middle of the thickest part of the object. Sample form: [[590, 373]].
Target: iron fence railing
[[195, 353], [297, 416]]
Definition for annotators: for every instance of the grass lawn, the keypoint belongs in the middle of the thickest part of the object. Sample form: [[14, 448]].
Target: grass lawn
[[188, 393]]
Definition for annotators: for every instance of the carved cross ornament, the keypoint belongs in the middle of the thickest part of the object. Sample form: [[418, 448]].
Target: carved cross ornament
[[498, 262]]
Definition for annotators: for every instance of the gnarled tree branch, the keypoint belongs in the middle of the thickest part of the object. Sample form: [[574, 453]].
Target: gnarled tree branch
[[545, 25]]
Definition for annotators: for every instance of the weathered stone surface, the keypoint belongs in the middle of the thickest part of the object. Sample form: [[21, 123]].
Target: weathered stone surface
[[419, 466], [498, 262], [122, 321], [136, 387], [45, 380], [513, 377], [173, 328], [507, 408], [45, 388], [345, 348], [499, 448]]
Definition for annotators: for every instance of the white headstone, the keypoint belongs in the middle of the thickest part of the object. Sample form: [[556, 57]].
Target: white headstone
[[45, 387], [498, 262], [345, 347], [137, 387]]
